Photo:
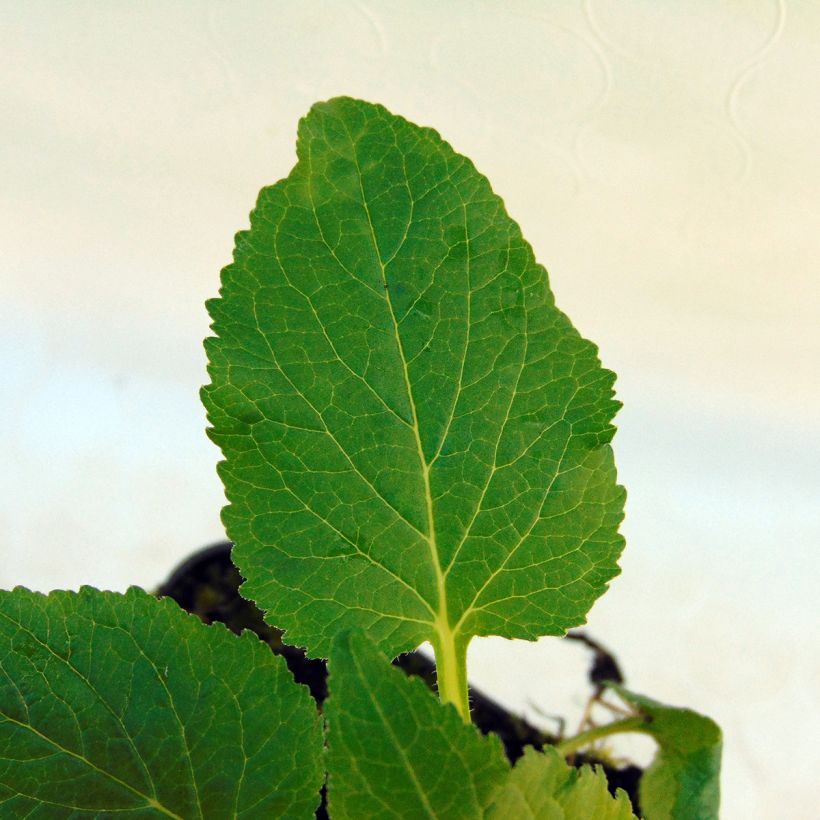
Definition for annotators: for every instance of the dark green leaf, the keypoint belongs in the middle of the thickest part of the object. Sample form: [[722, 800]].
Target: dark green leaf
[[122, 703]]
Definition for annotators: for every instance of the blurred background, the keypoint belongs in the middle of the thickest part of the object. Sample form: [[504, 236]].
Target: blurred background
[[661, 157]]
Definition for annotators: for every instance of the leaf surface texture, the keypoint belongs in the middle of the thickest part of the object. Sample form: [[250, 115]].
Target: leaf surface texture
[[395, 751], [122, 704]]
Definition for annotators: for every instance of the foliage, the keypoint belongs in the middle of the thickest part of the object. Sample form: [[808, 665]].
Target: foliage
[[395, 751], [543, 787], [123, 703], [417, 447], [684, 778], [416, 438]]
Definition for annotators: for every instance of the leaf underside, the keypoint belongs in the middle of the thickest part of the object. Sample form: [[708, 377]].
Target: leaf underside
[[415, 437], [395, 751], [683, 780], [113, 704]]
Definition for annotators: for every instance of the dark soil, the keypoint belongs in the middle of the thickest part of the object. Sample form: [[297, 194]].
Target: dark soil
[[207, 585]]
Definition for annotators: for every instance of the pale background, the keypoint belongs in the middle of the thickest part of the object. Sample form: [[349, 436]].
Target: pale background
[[661, 157]]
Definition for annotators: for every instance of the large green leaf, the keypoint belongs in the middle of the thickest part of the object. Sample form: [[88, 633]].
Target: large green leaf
[[121, 703], [394, 751], [416, 438], [543, 787], [683, 781]]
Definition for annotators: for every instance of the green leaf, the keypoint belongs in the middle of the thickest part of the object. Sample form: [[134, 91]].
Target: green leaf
[[683, 780], [416, 439], [394, 750], [123, 703], [543, 787]]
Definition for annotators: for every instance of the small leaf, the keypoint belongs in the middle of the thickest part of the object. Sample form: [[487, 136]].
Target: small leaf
[[683, 780], [543, 787], [416, 439], [123, 703], [394, 750]]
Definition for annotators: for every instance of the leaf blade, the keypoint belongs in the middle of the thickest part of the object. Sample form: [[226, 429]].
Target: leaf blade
[[542, 786], [124, 703], [394, 750], [416, 439]]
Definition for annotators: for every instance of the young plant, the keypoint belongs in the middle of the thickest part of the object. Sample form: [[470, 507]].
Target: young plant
[[416, 449]]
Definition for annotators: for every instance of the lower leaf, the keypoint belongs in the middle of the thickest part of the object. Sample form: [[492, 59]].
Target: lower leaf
[[543, 787], [396, 751], [124, 703]]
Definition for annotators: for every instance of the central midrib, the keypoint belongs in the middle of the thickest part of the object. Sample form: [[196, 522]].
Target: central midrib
[[442, 624]]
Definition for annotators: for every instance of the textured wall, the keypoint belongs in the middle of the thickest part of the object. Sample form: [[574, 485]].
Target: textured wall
[[662, 159]]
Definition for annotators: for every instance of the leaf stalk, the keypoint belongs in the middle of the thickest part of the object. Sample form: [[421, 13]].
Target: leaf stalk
[[572, 744], [451, 671]]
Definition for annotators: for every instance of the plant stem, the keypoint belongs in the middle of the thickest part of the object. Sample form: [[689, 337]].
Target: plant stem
[[451, 671], [630, 724]]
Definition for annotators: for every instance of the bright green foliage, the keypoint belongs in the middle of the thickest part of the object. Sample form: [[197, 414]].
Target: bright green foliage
[[543, 787], [124, 704], [416, 438], [683, 781], [394, 750]]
